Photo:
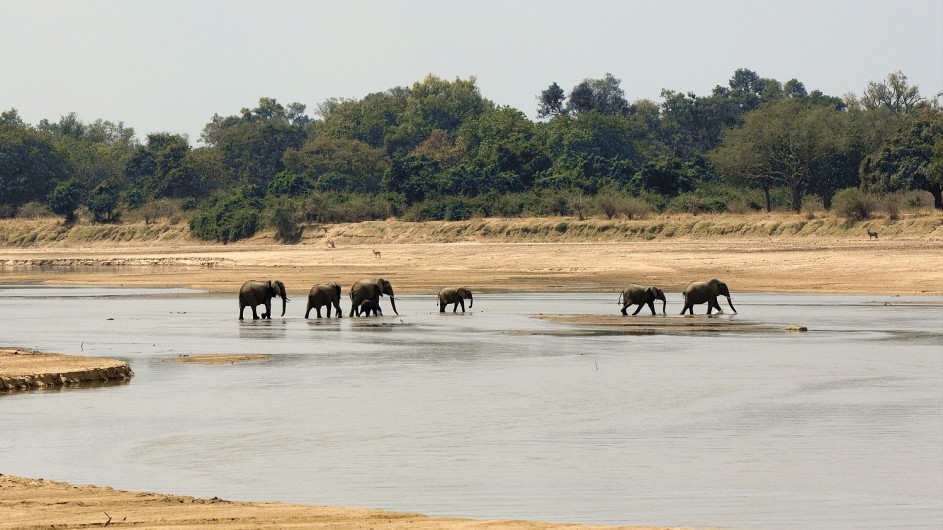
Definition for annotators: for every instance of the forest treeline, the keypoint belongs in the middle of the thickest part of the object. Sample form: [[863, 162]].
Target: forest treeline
[[440, 150]]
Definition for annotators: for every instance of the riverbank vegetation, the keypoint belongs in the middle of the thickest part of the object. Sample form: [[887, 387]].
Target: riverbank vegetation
[[440, 151]]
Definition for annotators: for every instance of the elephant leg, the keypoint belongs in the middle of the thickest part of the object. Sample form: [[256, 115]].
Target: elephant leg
[[461, 301], [639, 308], [255, 315], [337, 308], [242, 309], [308, 311], [442, 307], [623, 309], [651, 305], [318, 309]]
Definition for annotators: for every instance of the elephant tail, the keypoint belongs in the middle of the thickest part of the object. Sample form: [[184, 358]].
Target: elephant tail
[[620, 298]]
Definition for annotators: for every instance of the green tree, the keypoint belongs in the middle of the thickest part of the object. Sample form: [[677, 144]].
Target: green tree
[[102, 201], [600, 95], [30, 164], [894, 93], [909, 159], [782, 141], [339, 164], [551, 102], [65, 198]]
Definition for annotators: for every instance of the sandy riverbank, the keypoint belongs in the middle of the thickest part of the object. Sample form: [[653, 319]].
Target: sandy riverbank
[[37, 503]]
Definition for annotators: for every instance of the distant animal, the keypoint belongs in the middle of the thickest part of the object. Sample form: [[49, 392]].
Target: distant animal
[[330, 243], [456, 296], [872, 235], [376, 253], [636, 294], [370, 306]]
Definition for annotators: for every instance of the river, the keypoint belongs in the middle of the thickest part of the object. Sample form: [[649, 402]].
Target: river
[[497, 414]]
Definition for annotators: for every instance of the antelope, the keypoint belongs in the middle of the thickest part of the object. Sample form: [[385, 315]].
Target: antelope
[[376, 253], [872, 235]]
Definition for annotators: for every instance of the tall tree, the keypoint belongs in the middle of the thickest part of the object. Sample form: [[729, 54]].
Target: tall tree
[[601, 95], [782, 140], [893, 93], [909, 159], [30, 165], [551, 102]]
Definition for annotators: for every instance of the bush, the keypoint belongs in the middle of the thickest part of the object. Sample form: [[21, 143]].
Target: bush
[[853, 203], [226, 219], [892, 204], [33, 210], [285, 217]]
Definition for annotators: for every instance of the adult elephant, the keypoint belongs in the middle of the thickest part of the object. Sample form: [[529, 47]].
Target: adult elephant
[[324, 295], [254, 293], [456, 296], [700, 292], [370, 290], [637, 294]]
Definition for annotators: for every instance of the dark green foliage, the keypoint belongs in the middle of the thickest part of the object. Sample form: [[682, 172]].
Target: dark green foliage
[[667, 175], [911, 158], [102, 201], [65, 198], [289, 184], [30, 165], [227, 218]]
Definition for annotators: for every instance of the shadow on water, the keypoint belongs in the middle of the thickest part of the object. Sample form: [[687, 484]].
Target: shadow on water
[[56, 389]]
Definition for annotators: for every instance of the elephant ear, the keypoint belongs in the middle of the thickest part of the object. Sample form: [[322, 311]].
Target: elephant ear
[[380, 283]]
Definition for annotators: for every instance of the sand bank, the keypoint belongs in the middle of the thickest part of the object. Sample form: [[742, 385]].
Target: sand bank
[[37, 503], [22, 369]]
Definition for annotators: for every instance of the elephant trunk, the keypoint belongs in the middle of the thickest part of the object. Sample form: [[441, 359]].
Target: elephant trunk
[[730, 303], [664, 304], [471, 301], [284, 303], [393, 303]]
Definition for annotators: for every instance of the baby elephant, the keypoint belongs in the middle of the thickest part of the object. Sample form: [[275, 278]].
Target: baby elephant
[[369, 306], [455, 296], [636, 294]]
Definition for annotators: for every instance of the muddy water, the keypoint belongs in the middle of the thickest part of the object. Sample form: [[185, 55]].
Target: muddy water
[[495, 414]]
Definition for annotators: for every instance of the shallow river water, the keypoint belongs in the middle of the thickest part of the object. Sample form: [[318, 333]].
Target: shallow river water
[[496, 414]]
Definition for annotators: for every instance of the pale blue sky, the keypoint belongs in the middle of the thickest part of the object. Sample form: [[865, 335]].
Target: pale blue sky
[[169, 65]]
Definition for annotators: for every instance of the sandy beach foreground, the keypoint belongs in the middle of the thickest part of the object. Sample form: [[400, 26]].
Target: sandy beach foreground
[[38, 503], [827, 264]]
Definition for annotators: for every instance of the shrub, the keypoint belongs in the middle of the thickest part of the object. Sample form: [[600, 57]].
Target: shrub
[[892, 204], [226, 219], [561, 227], [33, 210], [853, 203], [285, 217]]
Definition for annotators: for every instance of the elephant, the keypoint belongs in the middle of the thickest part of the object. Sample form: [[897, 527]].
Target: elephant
[[325, 295], [253, 293], [370, 290], [369, 306], [456, 296], [700, 292], [636, 294]]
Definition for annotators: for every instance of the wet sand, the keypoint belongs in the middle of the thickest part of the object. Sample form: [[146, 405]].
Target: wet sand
[[23, 369]]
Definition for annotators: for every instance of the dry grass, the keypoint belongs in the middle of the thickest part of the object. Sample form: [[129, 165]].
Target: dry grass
[[20, 233]]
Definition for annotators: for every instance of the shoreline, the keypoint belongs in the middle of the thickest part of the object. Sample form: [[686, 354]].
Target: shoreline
[[35, 503], [778, 265]]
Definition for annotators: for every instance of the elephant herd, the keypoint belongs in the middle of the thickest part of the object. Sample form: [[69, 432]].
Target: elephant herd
[[694, 294], [365, 297]]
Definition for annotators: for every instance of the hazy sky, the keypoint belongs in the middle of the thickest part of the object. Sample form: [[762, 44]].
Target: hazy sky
[[169, 65]]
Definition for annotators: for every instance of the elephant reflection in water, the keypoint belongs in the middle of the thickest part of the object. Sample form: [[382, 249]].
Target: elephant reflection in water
[[254, 293], [700, 292]]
